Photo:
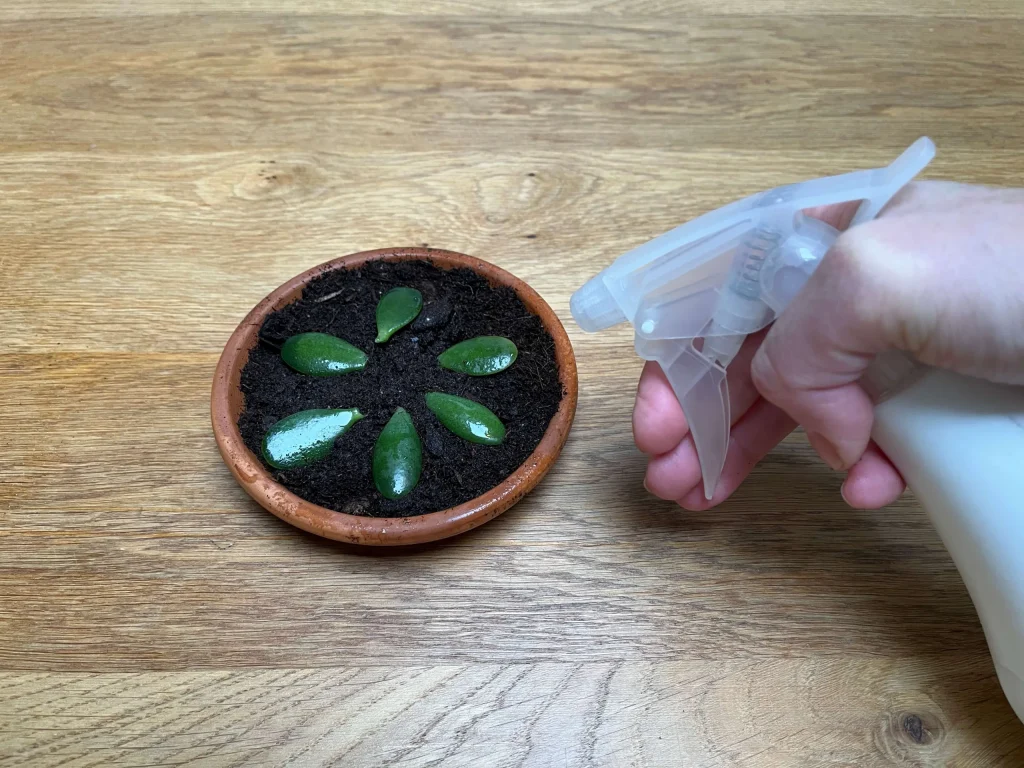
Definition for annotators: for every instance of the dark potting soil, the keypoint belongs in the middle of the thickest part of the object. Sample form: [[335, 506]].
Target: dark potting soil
[[457, 305]]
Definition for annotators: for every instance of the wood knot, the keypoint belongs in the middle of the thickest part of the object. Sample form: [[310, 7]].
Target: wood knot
[[915, 729], [908, 735], [511, 200], [293, 180]]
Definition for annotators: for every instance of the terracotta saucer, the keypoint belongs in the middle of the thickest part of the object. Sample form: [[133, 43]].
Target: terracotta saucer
[[227, 404]]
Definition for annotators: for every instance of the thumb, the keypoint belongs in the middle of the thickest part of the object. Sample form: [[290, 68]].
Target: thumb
[[814, 354]]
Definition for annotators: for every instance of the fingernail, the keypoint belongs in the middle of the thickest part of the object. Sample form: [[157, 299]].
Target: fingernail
[[646, 487], [826, 450], [842, 492]]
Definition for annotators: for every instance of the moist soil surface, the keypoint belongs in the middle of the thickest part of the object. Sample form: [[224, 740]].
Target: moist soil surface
[[457, 305]]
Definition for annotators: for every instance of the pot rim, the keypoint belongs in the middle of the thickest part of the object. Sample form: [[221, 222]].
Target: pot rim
[[226, 404]]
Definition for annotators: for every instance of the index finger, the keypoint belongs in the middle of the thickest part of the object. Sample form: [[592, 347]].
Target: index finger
[[658, 421]]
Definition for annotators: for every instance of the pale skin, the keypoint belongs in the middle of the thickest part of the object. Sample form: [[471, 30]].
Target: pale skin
[[939, 275]]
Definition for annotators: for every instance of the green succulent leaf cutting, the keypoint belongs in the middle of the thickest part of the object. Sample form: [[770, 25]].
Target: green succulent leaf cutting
[[466, 418], [481, 356], [397, 457], [321, 354], [396, 309], [306, 436]]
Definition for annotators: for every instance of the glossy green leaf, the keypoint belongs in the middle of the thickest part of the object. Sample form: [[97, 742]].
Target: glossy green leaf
[[306, 436], [481, 356], [397, 457], [320, 354], [396, 309], [467, 419]]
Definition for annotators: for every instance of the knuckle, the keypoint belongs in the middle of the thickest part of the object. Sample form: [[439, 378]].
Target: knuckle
[[862, 278], [766, 373], [886, 282], [857, 264]]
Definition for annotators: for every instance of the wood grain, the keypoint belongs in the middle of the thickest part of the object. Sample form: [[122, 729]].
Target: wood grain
[[776, 712], [628, 9], [164, 165]]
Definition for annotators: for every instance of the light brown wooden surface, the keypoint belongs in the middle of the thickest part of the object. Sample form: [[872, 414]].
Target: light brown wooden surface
[[164, 165]]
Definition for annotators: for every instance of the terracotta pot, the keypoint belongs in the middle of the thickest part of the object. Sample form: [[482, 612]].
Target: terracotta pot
[[227, 404]]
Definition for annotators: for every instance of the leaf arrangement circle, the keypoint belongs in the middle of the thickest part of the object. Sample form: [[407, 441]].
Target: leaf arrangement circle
[[306, 437]]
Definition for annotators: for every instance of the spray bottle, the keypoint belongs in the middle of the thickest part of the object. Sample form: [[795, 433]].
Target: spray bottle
[[696, 292]]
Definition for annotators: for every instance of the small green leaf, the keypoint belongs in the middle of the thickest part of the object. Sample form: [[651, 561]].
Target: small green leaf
[[306, 436], [481, 356], [397, 457], [396, 309], [467, 419], [320, 354]]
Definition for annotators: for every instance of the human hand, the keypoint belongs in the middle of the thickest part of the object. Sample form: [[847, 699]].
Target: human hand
[[939, 275]]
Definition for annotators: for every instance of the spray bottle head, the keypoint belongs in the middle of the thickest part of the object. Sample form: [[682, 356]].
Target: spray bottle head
[[694, 294]]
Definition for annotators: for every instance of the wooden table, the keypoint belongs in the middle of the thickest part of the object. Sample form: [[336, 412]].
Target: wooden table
[[166, 163]]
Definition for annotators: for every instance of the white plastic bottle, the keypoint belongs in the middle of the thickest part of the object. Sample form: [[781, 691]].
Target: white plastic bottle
[[959, 443]]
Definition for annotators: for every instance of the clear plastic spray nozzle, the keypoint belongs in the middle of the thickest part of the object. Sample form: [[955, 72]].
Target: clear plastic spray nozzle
[[695, 293], [594, 307]]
